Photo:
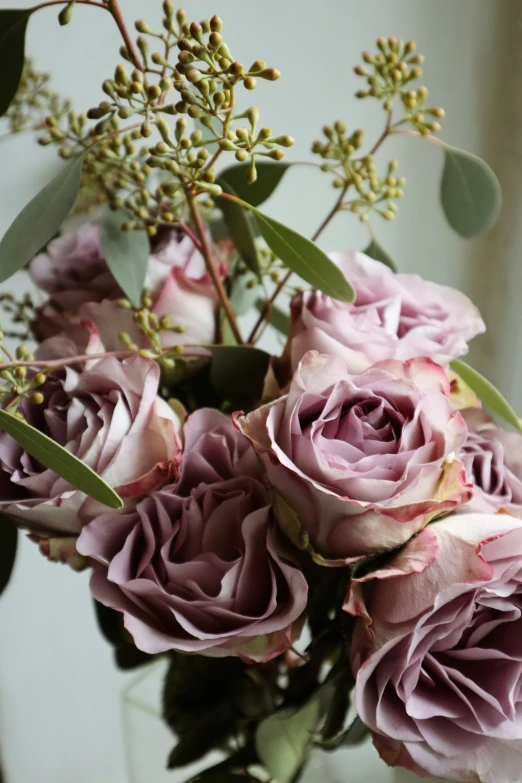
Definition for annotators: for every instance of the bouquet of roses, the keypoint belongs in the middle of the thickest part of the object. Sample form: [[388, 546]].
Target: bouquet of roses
[[324, 542]]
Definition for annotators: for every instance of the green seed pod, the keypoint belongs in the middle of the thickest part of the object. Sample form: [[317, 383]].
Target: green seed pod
[[64, 17], [270, 74], [142, 26], [250, 83], [120, 75]]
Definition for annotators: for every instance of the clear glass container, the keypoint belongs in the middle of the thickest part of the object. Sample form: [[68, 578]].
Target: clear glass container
[[148, 743]]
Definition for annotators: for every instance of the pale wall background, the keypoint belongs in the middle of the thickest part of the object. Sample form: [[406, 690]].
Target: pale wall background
[[60, 696]]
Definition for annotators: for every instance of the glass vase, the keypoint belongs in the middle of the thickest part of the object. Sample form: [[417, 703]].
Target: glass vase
[[148, 742]]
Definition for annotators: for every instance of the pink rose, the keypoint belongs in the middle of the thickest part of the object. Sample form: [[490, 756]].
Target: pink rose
[[437, 651], [394, 316], [76, 276], [110, 417], [73, 270], [365, 461], [493, 462], [200, 565]]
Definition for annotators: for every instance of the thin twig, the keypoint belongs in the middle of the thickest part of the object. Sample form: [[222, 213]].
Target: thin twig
[[64, 2], [186, 230], [114, 9], [212, 269]]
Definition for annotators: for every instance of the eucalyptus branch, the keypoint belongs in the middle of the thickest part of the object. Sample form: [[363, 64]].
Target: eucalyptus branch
[[54, 363], [114, 10], [267, 310], [212, 268], [66, 2]]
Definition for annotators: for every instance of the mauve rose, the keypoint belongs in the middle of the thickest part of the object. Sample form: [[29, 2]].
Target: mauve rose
[[437, 651], [73, 270], [201, 566], [110, 417], [364, 461], [76, 276], [493, 462], [394, 316]]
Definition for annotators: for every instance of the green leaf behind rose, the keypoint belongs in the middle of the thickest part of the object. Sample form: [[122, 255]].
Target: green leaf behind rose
[[486, 392], [40, 219], [269, 175], [126, 253], [284, 739], [304, 257], [55, 457]]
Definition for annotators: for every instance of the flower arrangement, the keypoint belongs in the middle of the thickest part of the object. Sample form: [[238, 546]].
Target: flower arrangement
[[326, 542]]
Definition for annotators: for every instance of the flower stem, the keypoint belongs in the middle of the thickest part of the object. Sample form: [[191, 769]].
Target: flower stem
[[212, 268], [114, 9]]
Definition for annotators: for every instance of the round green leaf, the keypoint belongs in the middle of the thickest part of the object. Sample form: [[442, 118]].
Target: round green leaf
[[305, 258], [8, 546], [238, 371], [486, 392], [283, 740], [55, 457], [40, 219], [470, 193], [375, 251], [13, 25], [269, 175], [126, 253]]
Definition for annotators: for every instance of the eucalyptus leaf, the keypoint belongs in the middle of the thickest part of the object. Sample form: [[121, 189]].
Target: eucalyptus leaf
[[13, 26], [375, 251], [55, 457], [278, 318], [8, 547], [240, 229], [126, 253], [470, 193], [284, 738], [305, 258], [269, 175], [40, 219], [238, 371], [356, 733], [486, 392]]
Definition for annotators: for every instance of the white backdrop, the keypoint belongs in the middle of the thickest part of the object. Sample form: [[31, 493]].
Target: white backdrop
[[59, 692]]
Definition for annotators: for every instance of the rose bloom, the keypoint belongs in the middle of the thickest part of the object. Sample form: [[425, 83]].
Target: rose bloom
[[394, 316], [365, 461], [74, 273], [493, 462], [201, 565], [111, 418], [437, 651]]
